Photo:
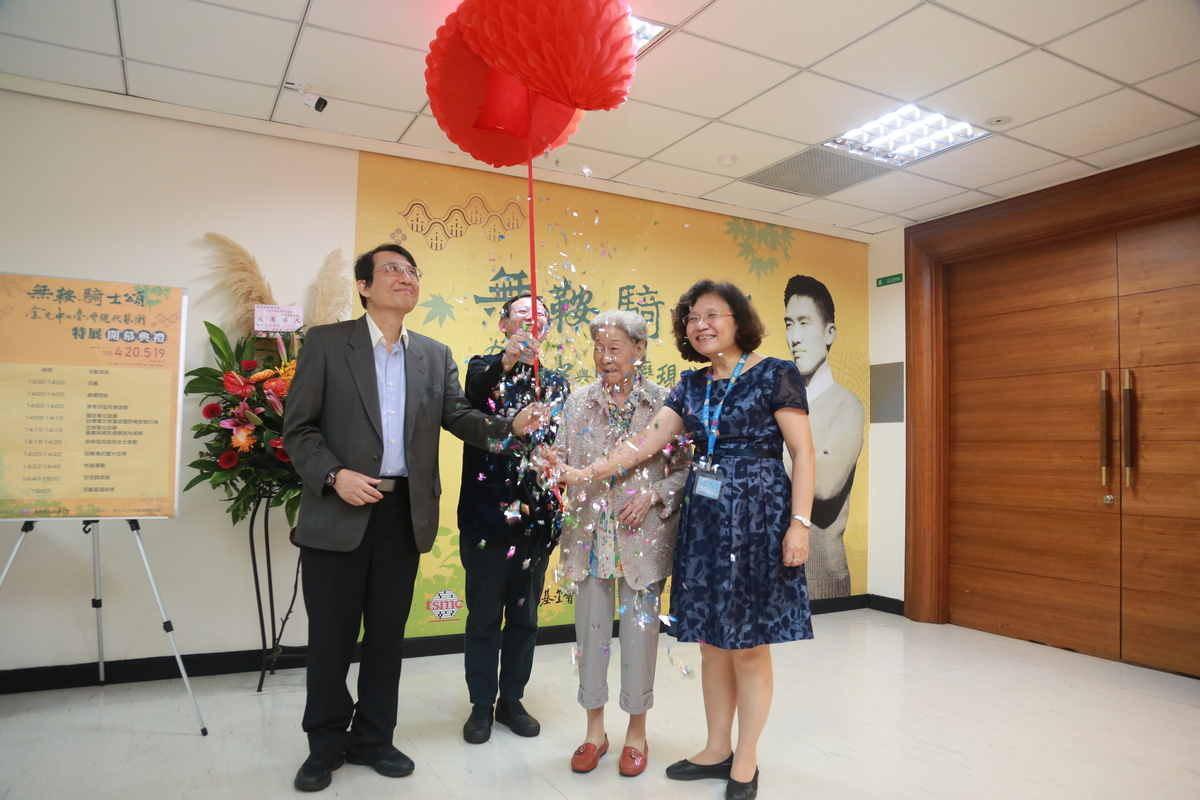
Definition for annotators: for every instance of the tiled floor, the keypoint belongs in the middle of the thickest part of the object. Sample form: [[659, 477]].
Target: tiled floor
[[875, 707]]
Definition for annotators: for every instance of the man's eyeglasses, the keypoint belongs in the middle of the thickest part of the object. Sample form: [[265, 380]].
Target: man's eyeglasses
[[692, 320], [400, 268]]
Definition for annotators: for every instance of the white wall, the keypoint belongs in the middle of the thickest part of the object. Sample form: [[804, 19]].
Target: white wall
[[90, 191], [885, 518]]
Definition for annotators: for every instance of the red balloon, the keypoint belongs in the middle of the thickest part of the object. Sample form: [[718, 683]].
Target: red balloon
[[578, 52], [457, 81]]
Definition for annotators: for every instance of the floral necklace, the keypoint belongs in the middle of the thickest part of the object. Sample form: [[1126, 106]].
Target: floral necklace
[[620, 417]]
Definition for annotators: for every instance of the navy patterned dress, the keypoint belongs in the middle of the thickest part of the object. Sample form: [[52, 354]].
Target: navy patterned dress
[[730, 588]]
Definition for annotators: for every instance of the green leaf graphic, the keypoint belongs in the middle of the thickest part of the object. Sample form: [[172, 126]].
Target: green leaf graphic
[[439, 309]]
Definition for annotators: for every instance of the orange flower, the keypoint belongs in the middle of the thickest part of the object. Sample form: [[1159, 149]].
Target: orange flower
[[287, 370], [261, 376], [243, 441]]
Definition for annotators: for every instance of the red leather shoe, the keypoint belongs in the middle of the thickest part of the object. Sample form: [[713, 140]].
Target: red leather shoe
[[587, 756], [633, 761]]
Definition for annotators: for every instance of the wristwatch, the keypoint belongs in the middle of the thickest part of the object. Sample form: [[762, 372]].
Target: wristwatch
[[805, 521], [332, 476]]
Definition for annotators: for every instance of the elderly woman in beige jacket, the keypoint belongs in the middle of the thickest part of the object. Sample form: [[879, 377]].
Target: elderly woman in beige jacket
[[618, 536]]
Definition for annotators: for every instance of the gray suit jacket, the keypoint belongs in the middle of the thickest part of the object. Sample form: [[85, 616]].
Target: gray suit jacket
[[333, 419]]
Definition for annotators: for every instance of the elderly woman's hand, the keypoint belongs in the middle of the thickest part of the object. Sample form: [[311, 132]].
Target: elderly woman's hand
[[637, 507]]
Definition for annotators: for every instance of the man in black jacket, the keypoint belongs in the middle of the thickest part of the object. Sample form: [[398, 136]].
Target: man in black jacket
[[509, 524]]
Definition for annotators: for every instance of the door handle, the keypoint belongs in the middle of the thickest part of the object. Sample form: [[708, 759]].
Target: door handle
[[1127, 426], [1104, 428]]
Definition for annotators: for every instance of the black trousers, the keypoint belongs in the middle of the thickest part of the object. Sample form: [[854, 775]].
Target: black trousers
[[371, 586], [502, 616]]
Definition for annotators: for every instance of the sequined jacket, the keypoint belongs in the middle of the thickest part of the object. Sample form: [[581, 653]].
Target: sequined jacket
[[643, 556]]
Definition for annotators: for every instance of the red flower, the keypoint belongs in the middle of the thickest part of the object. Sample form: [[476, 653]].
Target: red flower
[[228, 459], [249, 366], [277, 385], [211, 411], [277, 442], [237, 385], [282, 455]]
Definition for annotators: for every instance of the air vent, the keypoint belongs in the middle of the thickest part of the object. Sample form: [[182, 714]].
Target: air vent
[[817, 172]]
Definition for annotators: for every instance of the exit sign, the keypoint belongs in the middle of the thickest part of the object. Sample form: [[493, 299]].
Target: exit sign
[[890, 279]]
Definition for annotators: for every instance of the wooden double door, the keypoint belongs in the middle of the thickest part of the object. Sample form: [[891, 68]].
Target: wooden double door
[[1074, 501]]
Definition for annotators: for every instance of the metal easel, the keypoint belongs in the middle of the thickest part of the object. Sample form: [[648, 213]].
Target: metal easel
[[92, 527]]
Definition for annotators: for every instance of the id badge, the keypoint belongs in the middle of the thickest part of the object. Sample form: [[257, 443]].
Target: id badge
[[708, 483]]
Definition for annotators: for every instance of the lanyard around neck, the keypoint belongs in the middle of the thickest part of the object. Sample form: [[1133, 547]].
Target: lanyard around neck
[[713, 427]]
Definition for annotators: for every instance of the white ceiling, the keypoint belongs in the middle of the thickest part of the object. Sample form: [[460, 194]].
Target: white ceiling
[[1089, 84]]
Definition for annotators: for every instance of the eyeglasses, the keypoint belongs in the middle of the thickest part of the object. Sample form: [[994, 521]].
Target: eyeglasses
[[692, 320], [400, 268]]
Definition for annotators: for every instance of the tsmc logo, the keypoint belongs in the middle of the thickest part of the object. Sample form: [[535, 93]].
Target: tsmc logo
[[445, 604]]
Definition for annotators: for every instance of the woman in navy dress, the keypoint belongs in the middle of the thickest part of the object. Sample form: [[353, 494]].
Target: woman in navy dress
[[738, 584]]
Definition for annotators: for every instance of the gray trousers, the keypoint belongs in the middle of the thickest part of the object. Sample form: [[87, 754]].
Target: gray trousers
[[639, 642]]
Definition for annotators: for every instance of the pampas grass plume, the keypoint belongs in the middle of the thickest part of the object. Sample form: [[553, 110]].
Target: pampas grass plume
[[240, 275], [332, 291]]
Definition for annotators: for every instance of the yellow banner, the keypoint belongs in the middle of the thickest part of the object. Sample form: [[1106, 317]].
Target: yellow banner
[[89, 398], [468, 230]]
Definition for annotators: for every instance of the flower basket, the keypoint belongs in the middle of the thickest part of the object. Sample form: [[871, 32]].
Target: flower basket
[[243, 450]]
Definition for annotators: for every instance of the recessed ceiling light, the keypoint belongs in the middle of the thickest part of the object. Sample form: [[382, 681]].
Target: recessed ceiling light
[[643, 32], [905, 135]]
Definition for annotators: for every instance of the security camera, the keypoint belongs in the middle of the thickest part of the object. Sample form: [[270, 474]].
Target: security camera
[[314, 101], [310, 98]]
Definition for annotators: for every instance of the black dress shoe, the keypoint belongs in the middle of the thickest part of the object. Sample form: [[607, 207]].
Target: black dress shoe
[[479, 725], [386, 760], [736, 790], [687, 771], [514, 715], [316, 773]]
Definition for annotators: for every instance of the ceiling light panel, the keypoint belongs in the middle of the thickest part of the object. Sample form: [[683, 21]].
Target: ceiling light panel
[[905, 135], [643, 32]]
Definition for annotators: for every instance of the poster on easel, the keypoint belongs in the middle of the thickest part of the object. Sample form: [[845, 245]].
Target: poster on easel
[[90, 394]]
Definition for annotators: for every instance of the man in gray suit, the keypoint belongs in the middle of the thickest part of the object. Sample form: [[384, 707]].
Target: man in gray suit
[[364, 418]]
